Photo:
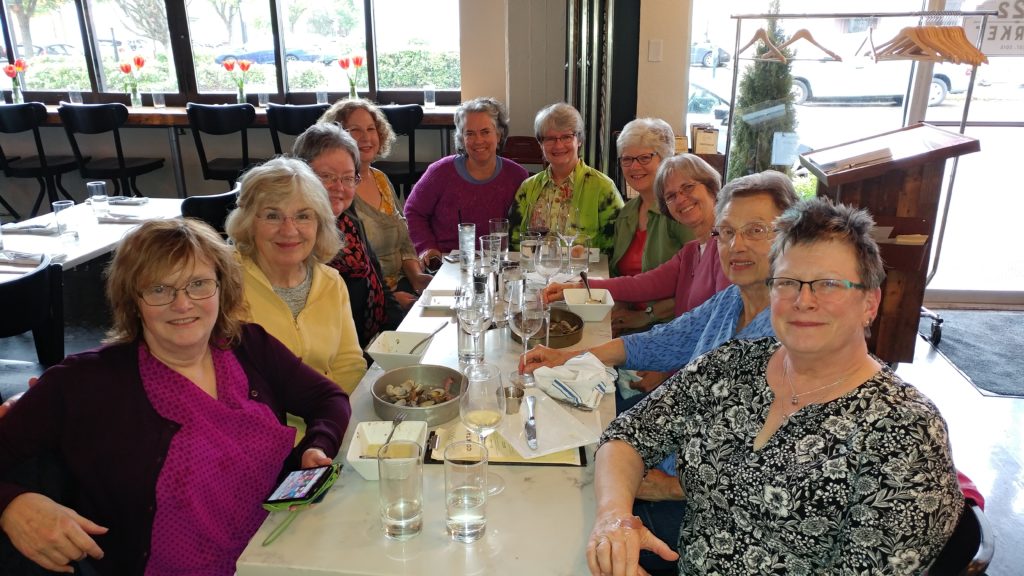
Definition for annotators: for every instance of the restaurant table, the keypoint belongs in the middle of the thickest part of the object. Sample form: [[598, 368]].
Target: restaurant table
[[539, 524]]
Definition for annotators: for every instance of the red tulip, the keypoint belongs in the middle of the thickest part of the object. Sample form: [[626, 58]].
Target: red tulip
[[126, 67], [244, 65], [139, 62], [10, 70], [20, 65], [357, 61], [229, 64], [344, 62]]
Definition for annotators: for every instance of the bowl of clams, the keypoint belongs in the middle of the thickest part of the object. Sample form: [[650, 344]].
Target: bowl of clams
[[423, 392]]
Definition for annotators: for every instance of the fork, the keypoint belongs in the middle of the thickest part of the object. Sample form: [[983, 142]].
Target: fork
[[399, 418]]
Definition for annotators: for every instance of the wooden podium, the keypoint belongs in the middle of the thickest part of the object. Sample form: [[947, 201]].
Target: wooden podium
[[897, 176]]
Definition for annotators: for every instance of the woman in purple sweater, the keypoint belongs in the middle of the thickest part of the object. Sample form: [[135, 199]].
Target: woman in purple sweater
[[475, 185]]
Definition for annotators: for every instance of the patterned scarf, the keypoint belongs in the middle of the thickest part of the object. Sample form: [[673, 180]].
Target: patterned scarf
[[353, 261]]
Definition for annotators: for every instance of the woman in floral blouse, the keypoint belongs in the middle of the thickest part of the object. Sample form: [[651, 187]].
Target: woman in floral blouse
[[803, 456]]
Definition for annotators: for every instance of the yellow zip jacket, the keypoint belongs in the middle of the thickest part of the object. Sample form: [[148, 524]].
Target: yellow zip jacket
[[323, 334]]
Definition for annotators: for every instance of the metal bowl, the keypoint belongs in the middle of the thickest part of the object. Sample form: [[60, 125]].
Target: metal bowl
[[429, 375], [574, 335]]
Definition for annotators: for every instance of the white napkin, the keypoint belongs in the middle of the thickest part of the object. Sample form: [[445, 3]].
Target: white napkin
[[11, 258], [114, 218], [582, 381], [48, 229], [626, 377]]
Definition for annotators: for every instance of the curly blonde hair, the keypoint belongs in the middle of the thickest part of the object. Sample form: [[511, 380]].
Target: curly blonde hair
[[342, 109]]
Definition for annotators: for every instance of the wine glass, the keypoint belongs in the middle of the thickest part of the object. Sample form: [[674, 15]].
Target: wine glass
[[540, 217], [474, 307], [548, 259], [525, 315], [567, 223], [481, 408]]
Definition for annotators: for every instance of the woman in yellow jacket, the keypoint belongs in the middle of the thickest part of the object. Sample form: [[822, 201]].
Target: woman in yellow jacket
[[284, 231]]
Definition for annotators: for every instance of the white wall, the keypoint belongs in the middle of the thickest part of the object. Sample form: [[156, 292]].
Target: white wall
[[662, 86]]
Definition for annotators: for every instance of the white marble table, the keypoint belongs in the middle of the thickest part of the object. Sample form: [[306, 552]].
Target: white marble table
[[538, 525]]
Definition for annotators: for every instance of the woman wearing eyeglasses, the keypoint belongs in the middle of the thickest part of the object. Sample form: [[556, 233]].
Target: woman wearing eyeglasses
[[334, 157], [567, 183], [170, 436], [285, 232], [797, 456]]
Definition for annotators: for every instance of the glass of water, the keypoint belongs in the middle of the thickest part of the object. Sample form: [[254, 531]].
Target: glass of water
[[465, 490], [499, 227], [400, 464]]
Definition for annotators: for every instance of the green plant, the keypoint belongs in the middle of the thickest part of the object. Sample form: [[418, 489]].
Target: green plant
[[306, 76], [806, 186], [411, 69]]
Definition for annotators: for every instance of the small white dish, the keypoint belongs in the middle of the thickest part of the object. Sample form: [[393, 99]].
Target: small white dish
[[370, 436], [391, 349], [576, 299], [437, 299]]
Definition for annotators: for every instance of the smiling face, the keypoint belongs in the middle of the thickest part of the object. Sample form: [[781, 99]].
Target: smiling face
[[638, 176], [361, 126], [284, 243], [184, 326], [690, 203], [561, 150], [744, 261], [331, 166], [805, 324], [480, 137]]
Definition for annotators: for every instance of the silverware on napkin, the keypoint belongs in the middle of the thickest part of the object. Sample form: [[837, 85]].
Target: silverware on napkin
[[531, 423]]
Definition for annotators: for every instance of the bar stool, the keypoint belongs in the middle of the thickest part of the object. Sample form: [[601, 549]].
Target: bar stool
[[404, 120], [292, 119], [219, 120], [99, 119], [47, 170]]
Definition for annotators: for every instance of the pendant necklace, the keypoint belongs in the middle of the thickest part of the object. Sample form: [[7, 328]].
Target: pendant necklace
[[795, 398]]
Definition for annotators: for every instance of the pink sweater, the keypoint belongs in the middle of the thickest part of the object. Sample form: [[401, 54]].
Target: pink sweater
[[689, 276]]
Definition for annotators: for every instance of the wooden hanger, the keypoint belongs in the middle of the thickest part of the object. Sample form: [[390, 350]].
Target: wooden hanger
[[804, 34], [935, 43], [773, 54]]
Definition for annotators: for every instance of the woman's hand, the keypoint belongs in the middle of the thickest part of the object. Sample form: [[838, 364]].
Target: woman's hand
[[544, 356], [314, 457], [658, 486], [624, 319], [10, 402], [554, 292], [49, 534], [649, 380], [430, 259], [405, 299], [420, 281], [615, 544]]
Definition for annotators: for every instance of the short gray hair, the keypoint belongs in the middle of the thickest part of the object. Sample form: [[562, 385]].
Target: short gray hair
[[648, 133], [559, 116], [274, 181], [691, 166], [770, 182], [490, 106], [324, 137]]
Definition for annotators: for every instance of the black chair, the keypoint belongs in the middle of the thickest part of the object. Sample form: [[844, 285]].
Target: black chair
[[40, 308], [47, 170], [219, 120], [404, 120], [970, 549], [292, 119], [213, 209], [99, 119]]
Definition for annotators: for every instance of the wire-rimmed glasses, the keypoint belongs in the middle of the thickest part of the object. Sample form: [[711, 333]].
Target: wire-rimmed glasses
[[161, 295]]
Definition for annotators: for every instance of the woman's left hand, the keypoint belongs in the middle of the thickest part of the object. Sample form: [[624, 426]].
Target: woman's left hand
[[615, 545], [314, 457], [420, 281]]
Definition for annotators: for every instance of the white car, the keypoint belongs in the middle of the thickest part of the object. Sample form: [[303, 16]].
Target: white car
[[863, 78]]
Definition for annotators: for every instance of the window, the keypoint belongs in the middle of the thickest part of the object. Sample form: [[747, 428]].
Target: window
[[222, 30], [421, 48], [336, 32], [125, 29], [43, 34]]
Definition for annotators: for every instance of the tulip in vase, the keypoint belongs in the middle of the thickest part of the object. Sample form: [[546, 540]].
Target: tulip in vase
[[131, 79], [12, 71], [239, 78], [347, 62]]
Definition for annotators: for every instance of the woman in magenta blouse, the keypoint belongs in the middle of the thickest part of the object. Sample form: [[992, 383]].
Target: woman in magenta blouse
[[171, 435]]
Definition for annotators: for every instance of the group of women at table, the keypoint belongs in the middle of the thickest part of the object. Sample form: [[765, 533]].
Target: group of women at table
[[795, 450]]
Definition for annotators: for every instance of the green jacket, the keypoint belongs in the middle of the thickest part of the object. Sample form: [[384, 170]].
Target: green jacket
[[593, 193], [665, 236]]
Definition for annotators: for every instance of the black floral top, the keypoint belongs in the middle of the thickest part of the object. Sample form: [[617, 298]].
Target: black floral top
[[863, 484]]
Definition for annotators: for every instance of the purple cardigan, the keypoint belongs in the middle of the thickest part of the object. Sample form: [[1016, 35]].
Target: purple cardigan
[[689, 277], [92, 413], [434, 205]]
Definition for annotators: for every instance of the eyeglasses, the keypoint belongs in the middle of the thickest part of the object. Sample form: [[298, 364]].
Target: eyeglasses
[[563, 139], [160, 295], [642, 159], [346, 181], [824, 289], [275, 219], [754, 231], [684, 190]]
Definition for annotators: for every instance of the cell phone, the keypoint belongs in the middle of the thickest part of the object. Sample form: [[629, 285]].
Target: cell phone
[[302, 487]]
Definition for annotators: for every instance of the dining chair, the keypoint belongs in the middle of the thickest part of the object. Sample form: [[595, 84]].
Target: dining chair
[[46, 169], [92, 119], [291, 119], [39, 295], [970, 549], [404, 120], [221, 120], [524, 150], [212, 209]]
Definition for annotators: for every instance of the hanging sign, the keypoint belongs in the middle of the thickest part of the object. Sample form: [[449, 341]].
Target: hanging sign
[[1004, 33]]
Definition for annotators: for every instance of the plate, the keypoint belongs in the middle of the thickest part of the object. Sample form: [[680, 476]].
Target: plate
[[557, 428], [437, 299]]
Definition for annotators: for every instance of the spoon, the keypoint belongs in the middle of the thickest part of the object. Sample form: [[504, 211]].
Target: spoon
[[586, 284], [432, 334]]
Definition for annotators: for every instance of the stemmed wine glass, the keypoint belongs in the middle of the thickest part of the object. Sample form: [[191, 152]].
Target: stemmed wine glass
[[548, 259], [475, 307], [481, 408], [567, 223], [525, 315]]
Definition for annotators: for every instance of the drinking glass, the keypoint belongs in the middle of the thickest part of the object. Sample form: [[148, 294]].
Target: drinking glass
[[465, 490], [579, 254], [540, 217], [528, 250], [467, 245], [526, 316], [481, 408], [499, 227], [474, 307], [98, 197], [400, 465], [548, 257], [490, 250]]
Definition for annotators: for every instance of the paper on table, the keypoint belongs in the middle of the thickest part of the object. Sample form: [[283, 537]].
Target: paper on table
[[499, 449], [557, 429], [11, 258]]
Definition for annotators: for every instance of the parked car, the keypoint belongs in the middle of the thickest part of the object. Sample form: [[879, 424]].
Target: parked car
[[703, 54], [706, 107], [863, 78], [266, 55]]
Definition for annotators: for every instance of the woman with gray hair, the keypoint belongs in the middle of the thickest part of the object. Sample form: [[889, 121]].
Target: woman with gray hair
[[284, 232], [801, 455], [566, 185], [473, 186]]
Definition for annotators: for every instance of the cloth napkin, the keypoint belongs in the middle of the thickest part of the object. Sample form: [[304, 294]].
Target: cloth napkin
[[48, 229], [582, 381], [626, 377], [114, 218], [11, 258]]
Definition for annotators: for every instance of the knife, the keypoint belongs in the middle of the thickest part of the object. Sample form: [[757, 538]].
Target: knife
[[531, 423]]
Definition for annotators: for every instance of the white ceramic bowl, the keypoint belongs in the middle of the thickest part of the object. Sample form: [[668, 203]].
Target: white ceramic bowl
[[576, 299], [370, 436], [391, 349]]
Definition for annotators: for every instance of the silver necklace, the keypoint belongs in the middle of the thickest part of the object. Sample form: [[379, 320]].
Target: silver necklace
[[795, 398]]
